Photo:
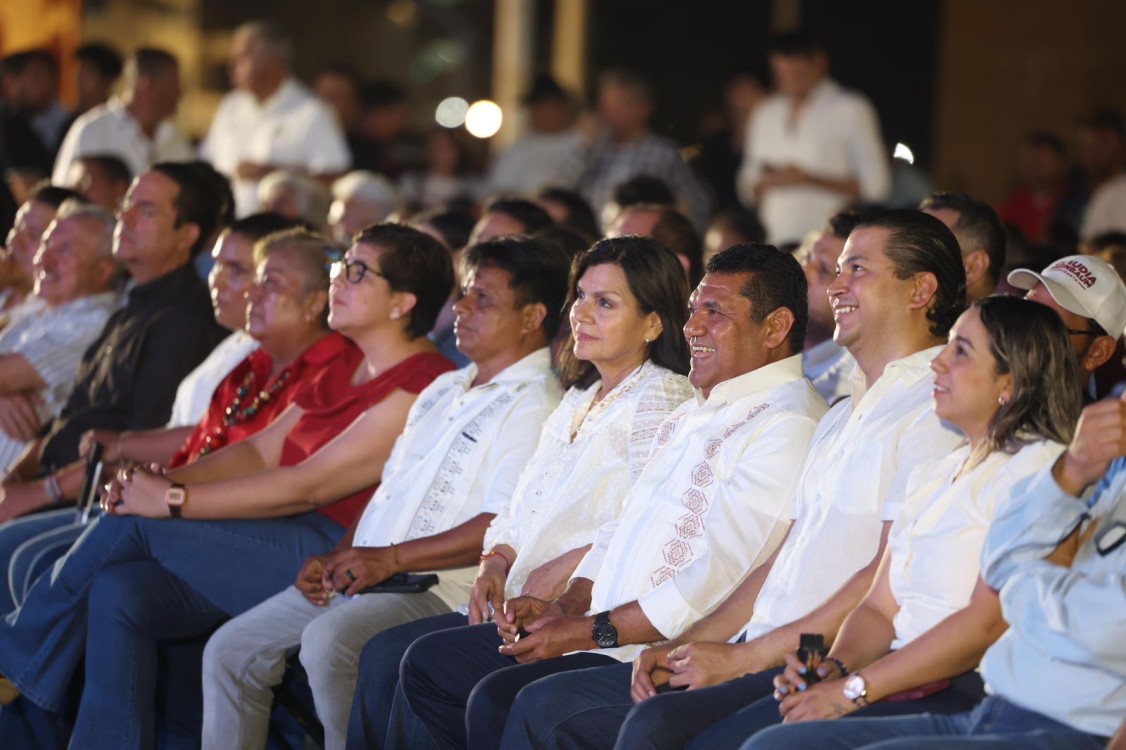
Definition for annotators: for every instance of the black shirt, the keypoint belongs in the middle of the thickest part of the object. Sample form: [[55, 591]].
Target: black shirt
[[129, 375]]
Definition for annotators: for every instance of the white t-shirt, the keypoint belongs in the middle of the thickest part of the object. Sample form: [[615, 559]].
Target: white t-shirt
[[194, 393]]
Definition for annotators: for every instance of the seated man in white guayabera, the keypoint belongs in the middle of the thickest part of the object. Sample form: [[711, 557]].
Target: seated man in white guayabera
[[467, 439], [711, 505]]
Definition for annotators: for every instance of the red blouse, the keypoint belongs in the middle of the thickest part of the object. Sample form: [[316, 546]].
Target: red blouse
[[332, 403], [251, 374]]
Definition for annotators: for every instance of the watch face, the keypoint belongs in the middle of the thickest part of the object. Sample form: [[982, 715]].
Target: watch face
[[854, 687], [605, 635], [174, 496]]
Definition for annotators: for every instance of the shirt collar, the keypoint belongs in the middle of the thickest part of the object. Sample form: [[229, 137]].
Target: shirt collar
[[528, 367], [763, 379], [286, 90], [911, 368]]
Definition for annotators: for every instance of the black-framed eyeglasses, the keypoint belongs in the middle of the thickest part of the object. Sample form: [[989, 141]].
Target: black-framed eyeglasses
[[352, 271]]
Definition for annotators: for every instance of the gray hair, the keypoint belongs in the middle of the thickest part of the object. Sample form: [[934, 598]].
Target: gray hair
[[370, 188], [272, 37], [76, 209], [310, 195]]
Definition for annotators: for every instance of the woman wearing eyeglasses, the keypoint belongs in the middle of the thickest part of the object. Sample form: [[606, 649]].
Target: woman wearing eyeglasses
[[136, 577]]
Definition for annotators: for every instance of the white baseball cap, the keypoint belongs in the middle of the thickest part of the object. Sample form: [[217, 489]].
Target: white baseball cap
[[1083, 285]]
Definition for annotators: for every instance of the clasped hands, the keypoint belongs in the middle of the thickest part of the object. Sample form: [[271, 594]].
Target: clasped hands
[[346, 571], [137, 491]]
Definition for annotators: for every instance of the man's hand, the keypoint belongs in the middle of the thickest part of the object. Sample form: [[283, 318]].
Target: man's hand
[[550, 579], [19, 417], [521, 612], [1100, 437], [552, 636], [488, 589], [352, 570], [650, 671], [250, 171], [310, 581], [698, 665], [825, 700]]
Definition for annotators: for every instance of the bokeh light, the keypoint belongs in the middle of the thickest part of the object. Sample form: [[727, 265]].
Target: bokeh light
[[483, 119], [451, 112]]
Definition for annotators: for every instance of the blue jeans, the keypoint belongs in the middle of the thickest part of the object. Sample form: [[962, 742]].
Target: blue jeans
[[588, 708], [29, 546], [136, 580], [461, 689], [378, 682], [995, 724]]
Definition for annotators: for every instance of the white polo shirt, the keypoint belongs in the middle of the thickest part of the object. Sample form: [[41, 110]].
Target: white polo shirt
[[712, 503]]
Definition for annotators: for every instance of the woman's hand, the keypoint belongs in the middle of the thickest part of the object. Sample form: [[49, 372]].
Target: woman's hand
[[488, 589], [824, 700], [142, 493], [792, 680], [108, 439]]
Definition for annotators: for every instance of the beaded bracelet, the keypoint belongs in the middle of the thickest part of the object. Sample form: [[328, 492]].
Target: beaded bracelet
[[839, 663]]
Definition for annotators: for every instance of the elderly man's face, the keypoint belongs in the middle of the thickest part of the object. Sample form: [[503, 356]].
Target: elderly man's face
[[70, 261]]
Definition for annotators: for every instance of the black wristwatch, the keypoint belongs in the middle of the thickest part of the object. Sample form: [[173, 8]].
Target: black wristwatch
[[604, 633]]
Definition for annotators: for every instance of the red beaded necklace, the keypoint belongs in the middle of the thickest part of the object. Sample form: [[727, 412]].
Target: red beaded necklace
[[232, 415]]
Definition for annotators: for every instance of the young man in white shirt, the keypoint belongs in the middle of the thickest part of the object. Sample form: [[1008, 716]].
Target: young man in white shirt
[[270, 121], [710, 506], [899, 288], [811, 148], [454, 467], [135, 128]]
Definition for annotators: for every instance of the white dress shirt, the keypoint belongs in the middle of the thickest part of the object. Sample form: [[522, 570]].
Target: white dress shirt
[[935, 542], [110, 129], [53, 340], [1062, 655], [712, 503], [193, 395], [829, 367], [837, 135], [854, 479], [577, 481], [292, 129], [459, 456]]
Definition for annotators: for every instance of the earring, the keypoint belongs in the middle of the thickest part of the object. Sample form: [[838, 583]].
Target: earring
[[1001, 401], [308, 318], [394, 315]]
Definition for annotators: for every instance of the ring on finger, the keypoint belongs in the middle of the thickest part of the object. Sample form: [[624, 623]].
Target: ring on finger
[[351, 575]]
